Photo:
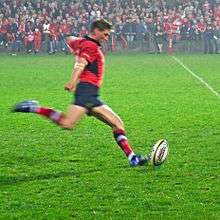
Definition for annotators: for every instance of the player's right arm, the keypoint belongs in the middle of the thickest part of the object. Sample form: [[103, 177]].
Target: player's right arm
[[79, 66]]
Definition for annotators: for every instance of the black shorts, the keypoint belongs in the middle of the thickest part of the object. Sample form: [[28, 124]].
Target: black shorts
[[87, 96]]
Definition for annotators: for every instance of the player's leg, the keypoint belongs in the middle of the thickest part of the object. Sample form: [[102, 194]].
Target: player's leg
[[68, 120], [72, 117], [105, 114]]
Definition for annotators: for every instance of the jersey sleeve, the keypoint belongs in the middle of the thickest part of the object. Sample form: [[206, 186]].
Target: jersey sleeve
[[88, 53]]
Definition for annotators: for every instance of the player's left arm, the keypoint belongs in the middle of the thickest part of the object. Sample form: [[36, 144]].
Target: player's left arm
[[69, 39], [71, 43], [79, 66]]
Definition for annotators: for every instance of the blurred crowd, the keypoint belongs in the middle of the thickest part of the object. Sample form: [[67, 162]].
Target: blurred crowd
[[42, 25]]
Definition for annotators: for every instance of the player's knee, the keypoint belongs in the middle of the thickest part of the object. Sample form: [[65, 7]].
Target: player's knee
[[119, 125], [66, 124]]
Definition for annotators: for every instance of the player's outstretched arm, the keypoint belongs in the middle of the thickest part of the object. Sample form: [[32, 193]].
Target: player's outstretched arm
[[79, 66]]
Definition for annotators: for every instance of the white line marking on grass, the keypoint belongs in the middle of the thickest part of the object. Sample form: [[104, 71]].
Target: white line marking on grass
[[197, 77]]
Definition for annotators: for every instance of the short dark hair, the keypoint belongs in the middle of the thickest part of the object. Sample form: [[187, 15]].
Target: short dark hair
[[100, 24]]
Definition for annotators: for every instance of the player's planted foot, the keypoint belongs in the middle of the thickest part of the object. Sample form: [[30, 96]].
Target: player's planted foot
[[138, 160], [26, 106]]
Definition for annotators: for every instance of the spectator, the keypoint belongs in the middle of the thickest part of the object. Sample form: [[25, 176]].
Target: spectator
[[140, 31], [16, 43], [180, 20], [64, 30], [159, 38], [54, 36], [30, 41], [37, 40], [120, 36], [217, 38], [209, 38], [129, 30], [46, 35]]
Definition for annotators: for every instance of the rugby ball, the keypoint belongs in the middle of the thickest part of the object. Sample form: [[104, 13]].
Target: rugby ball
[[159, 152]]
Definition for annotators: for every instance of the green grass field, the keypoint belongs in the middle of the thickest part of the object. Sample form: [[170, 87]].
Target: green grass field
[[49, 173]]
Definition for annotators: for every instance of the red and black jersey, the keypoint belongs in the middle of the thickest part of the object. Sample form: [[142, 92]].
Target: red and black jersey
[[89, 49]]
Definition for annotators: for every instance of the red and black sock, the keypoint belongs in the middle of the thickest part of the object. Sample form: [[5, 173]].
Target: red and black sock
[[122, 141]]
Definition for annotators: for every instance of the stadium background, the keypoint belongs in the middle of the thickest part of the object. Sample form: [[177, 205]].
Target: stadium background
[[41, 26]]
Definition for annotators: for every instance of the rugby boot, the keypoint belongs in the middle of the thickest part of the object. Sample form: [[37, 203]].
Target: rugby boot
[[26, 106], [138, 160]]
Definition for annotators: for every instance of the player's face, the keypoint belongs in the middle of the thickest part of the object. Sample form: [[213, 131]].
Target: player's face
[[102, 36]]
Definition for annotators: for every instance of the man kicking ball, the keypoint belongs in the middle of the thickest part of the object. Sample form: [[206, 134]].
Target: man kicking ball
[[85, 82]]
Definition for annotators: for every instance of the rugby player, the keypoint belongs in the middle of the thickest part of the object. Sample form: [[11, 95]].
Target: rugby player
[[85, 81]]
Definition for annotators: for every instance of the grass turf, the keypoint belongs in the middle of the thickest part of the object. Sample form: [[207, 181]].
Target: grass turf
[[49, 173]]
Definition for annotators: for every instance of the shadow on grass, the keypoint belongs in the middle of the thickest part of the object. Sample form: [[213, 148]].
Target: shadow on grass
[[20, 179], [4, 180]]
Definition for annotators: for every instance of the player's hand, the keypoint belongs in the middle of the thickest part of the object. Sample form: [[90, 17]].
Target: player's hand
[[70, 87]]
